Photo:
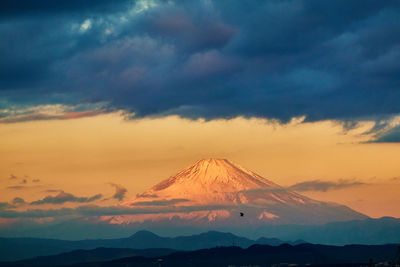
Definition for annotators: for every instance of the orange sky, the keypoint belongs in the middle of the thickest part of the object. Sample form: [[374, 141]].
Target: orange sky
[[81, 156]]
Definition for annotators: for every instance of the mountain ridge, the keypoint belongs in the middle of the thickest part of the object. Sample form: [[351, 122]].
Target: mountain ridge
[[282, 255], [22, 248]]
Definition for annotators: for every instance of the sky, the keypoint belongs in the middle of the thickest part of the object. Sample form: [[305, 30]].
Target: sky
[[100, 100]]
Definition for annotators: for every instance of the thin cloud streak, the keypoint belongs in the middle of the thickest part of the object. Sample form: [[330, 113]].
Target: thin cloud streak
[[324, 186], [41, 117], [160, 202], [92, 210], [314, 185], [63, 197]]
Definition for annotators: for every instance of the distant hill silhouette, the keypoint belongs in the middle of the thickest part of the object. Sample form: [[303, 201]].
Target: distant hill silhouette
[[318, 255], [94, 255], [23, 248], [385, 230]]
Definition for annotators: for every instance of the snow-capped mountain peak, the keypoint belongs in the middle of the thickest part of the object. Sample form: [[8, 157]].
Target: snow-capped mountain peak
[[215, 189], [216, 172]]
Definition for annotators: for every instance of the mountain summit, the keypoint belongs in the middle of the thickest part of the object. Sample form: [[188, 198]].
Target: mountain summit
[[216, 191], [211, 173], [208, 181]]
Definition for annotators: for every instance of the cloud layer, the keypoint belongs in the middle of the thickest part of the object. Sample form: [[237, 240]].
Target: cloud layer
[[63, 197], [317, 185], [211, 59]]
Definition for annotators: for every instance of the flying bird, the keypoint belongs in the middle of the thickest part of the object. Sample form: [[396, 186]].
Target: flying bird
[[241, 214]]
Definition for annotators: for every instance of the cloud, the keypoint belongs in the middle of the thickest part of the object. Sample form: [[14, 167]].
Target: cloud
[[146, 195], [395, 179], [209, 59], [84, 211], [17, 187], [120, 191], [18, 201], [9, 8], [5, 206], [161, 202], [323, 186], [40, 113], [63, 197], [314, 185], [35, 180], [23, 187], [12, 177], [390, 136]]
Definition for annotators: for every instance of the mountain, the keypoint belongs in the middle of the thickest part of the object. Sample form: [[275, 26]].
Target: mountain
[[369, 231], [256, 255], [215, 192], [12, 249]]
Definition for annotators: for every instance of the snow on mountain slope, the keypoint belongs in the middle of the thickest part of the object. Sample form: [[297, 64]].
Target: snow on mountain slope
[[215, 191], [215, 182]]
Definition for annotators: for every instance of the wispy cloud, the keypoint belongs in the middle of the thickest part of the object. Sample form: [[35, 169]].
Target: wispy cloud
[[41, 117], [161, 202], [92, 210], [390, 136], [318, 185], [18, 201], [120, 191], [146, 195], [63, 197], [17, 187], [314, 185], [22, 187], [5, 206]]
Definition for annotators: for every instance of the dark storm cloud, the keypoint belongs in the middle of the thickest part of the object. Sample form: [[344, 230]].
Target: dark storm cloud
[[211, 59], [63, 197], [11, 8], [324, 186], [120, 191]]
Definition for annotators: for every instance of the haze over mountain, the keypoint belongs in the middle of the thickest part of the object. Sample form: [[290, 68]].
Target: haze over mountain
[[145, 243], [215, 191]]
